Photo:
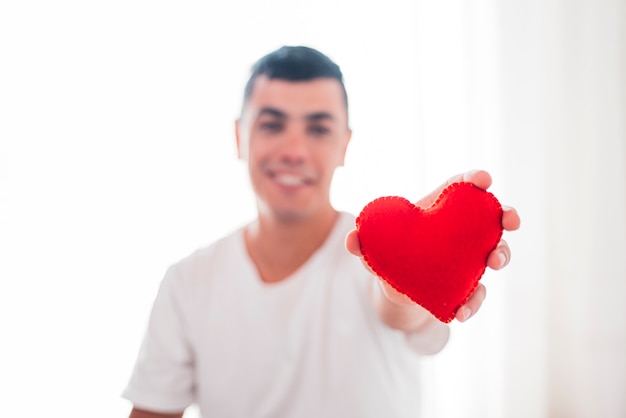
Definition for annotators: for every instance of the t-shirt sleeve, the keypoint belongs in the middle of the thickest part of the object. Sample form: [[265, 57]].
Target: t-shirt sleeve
[[163, 377]]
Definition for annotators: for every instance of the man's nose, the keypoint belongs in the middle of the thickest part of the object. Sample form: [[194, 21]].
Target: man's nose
[[294, 146]]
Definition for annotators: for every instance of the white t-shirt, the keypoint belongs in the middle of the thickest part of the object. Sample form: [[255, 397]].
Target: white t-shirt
[[309, 346]]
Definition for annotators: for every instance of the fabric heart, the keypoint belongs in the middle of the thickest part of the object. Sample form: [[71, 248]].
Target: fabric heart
[[434, 255]]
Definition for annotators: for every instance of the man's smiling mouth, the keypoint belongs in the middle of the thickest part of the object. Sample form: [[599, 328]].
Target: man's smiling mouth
[[290, 176], [292, 180]]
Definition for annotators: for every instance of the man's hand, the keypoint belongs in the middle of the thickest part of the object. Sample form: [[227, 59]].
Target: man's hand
[[496, 260]]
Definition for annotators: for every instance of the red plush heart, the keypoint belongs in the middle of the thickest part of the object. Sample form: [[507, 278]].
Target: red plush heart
[[437, 255]]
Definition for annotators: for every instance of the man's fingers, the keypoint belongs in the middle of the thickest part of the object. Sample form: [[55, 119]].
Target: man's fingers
[[479, 178], [499, 257], [353, 245], [472, 306], [510, 218], [430, 198]]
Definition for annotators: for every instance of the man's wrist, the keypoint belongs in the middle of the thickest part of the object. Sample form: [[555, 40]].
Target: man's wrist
[[397, 310]]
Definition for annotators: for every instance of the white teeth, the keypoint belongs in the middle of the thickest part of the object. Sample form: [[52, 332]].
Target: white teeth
[[289, 180]]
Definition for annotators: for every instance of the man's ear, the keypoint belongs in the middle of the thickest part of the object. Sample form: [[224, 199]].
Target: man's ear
[[238, 140], [345, 147]]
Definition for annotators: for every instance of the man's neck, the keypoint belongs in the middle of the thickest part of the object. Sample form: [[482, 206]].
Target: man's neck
[[278, 248]]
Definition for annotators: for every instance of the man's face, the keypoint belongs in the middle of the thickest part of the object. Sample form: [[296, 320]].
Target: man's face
[[293, 135]]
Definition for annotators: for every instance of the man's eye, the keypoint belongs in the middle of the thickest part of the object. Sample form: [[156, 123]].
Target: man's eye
[[319, 130], [271, 126]]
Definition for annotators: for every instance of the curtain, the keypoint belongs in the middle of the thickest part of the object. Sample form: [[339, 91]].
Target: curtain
[[551, 338]]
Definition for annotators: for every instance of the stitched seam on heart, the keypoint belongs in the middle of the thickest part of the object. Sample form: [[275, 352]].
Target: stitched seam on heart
[[473, 282]]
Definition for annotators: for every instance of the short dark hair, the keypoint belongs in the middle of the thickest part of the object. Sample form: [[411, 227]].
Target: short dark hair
[[294, 63]]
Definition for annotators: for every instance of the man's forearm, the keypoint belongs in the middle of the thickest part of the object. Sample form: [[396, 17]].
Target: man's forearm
[[425, 333]]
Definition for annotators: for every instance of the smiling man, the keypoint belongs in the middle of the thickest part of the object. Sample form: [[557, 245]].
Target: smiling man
[[281, 318], [293, 136]]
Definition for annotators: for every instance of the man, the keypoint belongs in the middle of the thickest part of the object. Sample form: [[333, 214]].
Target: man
[[278, 319]]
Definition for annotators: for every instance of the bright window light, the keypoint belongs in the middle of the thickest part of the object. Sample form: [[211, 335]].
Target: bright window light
[[117, 156]]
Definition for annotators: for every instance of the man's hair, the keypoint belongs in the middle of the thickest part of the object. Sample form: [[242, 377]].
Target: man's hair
[[294, 63]]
